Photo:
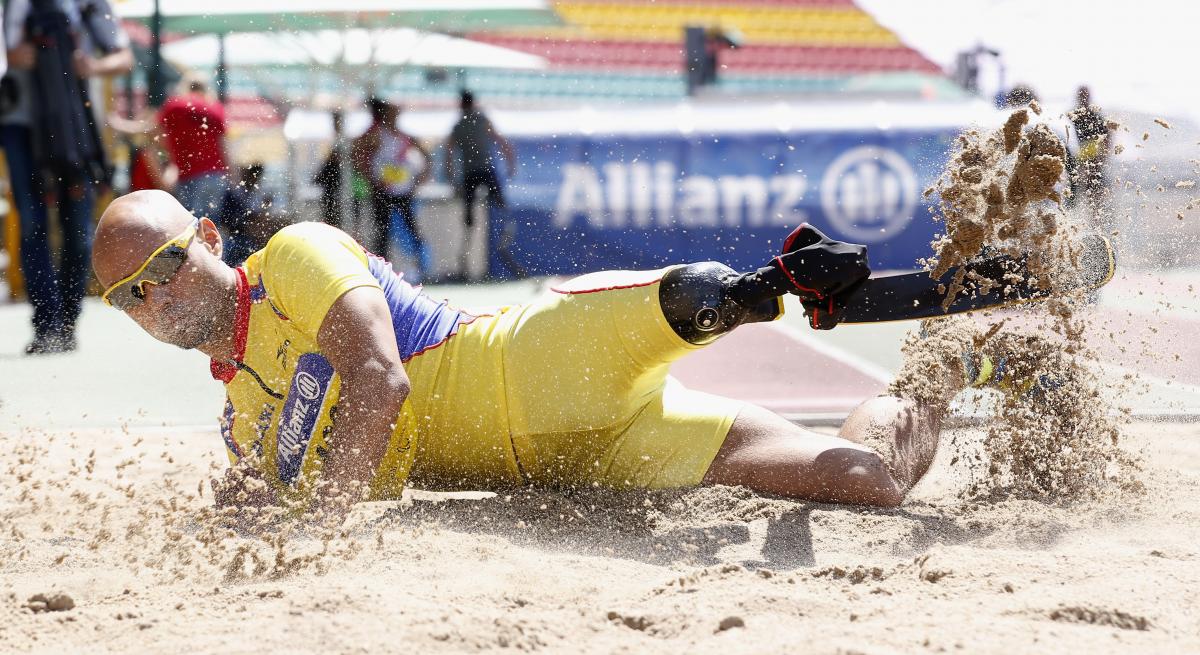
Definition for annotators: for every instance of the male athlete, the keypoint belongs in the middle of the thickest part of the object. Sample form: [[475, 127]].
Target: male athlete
[[339, 372]]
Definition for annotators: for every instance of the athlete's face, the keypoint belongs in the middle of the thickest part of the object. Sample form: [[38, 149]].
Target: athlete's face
[[184, 310], [183, 307]]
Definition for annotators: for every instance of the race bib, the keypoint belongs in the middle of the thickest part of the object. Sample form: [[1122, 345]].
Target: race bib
[[397, 164]]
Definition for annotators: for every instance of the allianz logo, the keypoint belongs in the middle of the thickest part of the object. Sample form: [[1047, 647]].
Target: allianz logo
[[292, 432], [645, 195], [867, 193], [307, 385], [301, 411]]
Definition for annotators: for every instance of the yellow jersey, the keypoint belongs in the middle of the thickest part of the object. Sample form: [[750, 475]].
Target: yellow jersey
[[281, 391]]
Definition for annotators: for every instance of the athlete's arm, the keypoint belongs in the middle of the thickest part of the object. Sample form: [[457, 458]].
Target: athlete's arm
[[357, 338], [362, 154], [115, 63]]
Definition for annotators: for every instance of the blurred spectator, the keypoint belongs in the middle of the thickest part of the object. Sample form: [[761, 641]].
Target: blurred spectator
[[329, 178], [394, 165], [1090, 179], [469, 150], [52, 146], [193, 122], [246, 215]]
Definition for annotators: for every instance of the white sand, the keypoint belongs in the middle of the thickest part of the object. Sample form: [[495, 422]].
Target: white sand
[[592, 573]]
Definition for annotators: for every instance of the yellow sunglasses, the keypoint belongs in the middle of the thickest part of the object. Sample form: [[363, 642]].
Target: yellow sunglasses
[[158, 268]]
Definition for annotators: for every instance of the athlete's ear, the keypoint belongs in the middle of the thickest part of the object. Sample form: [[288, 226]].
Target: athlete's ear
[[210, 236]]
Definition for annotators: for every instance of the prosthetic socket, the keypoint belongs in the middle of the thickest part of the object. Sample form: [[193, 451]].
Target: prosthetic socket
[[706, 300]]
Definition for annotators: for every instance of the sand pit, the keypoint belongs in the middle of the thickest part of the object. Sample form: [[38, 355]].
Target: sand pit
[[714, 570], [110, 543]]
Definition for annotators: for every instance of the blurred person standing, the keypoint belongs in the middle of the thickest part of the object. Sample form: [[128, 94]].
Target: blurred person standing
[[245, 215], [393, 164], [193, 123], [469, 151], [337, 203], [1090, 179], [51, 142]]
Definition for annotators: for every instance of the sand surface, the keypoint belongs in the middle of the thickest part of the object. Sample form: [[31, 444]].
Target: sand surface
[[112, 520]]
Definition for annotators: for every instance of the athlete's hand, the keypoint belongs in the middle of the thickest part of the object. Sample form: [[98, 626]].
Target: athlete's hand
[[22, 56], [85, 65]]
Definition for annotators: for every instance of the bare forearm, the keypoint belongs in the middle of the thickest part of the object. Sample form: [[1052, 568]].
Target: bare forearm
[[358, 338], [365, 421]]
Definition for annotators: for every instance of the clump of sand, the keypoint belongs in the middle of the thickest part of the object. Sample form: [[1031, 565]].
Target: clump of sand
[[999, 194], [1051, 435]]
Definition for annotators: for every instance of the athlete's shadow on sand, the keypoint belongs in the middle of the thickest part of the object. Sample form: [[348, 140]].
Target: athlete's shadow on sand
[[663, 528]]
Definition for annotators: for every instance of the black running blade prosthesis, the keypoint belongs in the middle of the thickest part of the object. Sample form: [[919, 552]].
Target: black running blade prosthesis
[[913, 296]]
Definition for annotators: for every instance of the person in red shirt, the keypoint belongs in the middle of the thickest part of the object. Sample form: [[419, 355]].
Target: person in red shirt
[[193, 124]]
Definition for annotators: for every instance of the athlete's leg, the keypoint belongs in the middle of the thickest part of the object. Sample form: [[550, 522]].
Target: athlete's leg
[[767, 453], [469, 191]]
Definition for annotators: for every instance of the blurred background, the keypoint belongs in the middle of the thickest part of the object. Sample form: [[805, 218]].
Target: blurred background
[[477, 140]]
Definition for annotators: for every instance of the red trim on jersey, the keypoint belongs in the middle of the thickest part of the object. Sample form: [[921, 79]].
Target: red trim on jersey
[[224, 371], [599, 289], [443, 341]]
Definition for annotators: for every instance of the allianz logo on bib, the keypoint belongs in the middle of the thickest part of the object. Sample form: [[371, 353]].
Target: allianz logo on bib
[[298, 420]]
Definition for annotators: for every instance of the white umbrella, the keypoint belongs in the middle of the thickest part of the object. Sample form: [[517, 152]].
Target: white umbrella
[[403, 46]]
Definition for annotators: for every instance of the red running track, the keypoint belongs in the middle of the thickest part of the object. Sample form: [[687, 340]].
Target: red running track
[[768, 366]]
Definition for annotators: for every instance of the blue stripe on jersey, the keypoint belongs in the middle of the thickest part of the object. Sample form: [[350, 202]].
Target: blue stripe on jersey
[[420, 322]]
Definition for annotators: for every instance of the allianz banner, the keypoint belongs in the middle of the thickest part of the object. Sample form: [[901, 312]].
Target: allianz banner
[[581, 203]]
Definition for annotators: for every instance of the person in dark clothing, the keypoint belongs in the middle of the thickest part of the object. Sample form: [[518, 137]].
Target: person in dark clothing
[[469, 150], [394, 165], [101, 49], [245, 216], [1091, 160], [329, 178]]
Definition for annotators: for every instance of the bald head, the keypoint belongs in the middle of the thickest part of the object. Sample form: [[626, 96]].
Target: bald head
[[192, 306], [132, 227]]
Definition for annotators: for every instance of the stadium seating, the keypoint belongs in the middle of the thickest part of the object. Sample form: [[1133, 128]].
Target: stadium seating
[[792, 44], [627, 50], [817, 39]]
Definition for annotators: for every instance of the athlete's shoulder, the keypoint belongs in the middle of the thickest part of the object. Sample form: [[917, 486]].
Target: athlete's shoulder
[[307, 231], [305, 267], [310, 236]]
